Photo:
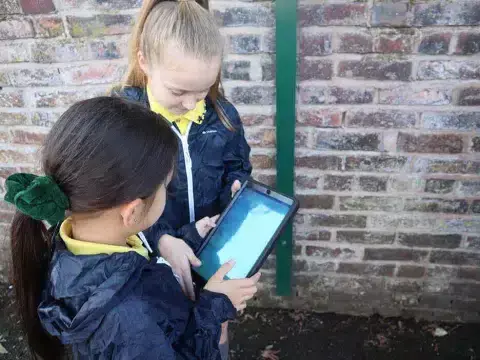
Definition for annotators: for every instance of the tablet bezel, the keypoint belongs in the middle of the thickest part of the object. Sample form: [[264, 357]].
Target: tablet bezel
[[290, 201]]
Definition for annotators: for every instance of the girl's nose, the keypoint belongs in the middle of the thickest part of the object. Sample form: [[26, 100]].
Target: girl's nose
[[190, 103]]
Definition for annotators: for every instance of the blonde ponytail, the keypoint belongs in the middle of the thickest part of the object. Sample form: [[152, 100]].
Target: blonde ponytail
[[185, 23]]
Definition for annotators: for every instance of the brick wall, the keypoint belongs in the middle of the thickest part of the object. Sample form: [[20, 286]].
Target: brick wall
[[388, 136]]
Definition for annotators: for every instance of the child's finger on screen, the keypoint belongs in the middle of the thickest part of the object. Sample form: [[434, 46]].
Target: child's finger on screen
[[224, 270]]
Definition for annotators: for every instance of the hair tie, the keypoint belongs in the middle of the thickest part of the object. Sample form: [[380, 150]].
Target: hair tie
[[37, 196]]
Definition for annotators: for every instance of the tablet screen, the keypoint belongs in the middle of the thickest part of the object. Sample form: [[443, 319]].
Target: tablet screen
[[243, 234]]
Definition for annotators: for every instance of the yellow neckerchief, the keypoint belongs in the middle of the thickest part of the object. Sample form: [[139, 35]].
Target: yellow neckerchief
[[78, 247], [196, 115]]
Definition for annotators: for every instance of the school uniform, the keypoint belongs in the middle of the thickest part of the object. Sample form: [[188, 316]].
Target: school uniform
[[114, 302], [211, 157]]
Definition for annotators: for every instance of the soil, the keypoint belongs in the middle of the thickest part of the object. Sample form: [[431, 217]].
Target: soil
[[274, 334]]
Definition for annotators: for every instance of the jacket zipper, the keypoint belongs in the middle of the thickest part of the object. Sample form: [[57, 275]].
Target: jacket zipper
[[188, 169]]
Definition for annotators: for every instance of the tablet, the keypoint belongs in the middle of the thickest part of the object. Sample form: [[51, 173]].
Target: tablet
[[246, 231]]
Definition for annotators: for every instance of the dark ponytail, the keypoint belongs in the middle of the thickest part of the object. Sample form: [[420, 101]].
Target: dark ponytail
[[31, 244], [101, 153]]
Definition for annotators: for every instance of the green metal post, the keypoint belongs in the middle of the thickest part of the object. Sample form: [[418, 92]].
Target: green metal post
[[286, 76]]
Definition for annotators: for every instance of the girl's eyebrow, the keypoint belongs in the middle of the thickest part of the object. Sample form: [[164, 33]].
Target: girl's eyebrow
[[183, 90]]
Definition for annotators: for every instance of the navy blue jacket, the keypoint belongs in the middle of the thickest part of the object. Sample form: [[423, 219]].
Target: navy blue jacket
[[124, 307], [218, 155]]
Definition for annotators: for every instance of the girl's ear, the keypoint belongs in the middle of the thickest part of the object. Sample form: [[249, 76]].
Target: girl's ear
[[132, 212], [142, 62]]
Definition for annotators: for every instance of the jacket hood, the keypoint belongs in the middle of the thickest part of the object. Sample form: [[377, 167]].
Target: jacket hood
[[80, 291]]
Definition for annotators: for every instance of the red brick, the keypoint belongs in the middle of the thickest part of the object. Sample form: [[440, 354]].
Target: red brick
[[439, 143], [318, 162], [436, 205], [261, 137], [4, 136], [395, 254], [268, 70], [445, 70], [257, 15], [372, 183], [93, 74], [337, 140], [468, 44], [345, 14], [395, 42], [263, 161], [306, 182], [375, 69], [476, 144], [314, 69], [267, 179], [5, 172], [338, 183], [312, 95], [370, 203], [406, 95], [338, 220], [11, 98], [64, 98], [28, 137], [435, 44], [35, 7], [357, 42], [16, 52], [467, 121], [6, 217], [13, 118], [244, 43], [385, 163], [316, 201], [253, 95], [388, 14], [449, 241], [257, 119], [343, 95], [365, 269], [364, 237], [236, 70], [35, 77], [48, 26], [468, 96], [9, 7], [332, 14], [411, 271], [320, 118], [330, 253], [16, 29], [428, 165], [439, 186], [302, 138], [315, 235], [315, 44], [381, 119], [11, 156], [447, 13], [59, 51], [100, 25], [45, 118], [455, 258], [108, 49]]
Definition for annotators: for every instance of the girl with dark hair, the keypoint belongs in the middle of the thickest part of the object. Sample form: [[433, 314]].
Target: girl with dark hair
[[91, 282]]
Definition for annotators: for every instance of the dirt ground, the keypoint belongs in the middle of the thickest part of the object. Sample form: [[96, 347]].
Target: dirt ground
[[280, 334]]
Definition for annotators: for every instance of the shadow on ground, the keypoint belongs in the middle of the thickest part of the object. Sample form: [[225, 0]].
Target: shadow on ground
[[291, 335]]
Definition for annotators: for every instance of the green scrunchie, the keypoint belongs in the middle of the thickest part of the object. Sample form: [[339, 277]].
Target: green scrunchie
[[37, 196]]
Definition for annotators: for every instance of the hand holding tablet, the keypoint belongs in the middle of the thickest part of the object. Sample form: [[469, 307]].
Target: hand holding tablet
[[246, 232]]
